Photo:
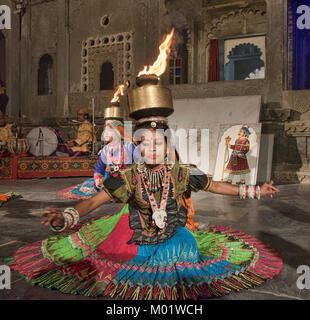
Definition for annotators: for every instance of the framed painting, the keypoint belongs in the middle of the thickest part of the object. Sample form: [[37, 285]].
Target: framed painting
[[238, 153]]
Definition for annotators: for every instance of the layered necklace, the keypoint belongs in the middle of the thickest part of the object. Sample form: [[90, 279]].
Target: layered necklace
[[154, 180]]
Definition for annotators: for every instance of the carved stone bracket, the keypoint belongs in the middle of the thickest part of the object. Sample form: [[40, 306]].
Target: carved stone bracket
[[297, 129], [277, 115], [299, 102]]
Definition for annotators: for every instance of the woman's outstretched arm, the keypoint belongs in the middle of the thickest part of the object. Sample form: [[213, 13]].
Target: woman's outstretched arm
[[229, 189], [55, 217]]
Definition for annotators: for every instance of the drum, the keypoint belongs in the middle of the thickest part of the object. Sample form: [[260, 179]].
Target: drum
[[43, 141], [18, 146]]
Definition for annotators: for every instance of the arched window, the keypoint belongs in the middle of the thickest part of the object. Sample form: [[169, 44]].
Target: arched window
[[45, 75], [244, 62], [2, 57], [107, 76]]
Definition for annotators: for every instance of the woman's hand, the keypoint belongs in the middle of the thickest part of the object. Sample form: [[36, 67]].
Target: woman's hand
[[267, 189], [99, 179], [53, 217]]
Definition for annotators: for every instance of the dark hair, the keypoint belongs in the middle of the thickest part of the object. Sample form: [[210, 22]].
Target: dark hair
[[148, 125]]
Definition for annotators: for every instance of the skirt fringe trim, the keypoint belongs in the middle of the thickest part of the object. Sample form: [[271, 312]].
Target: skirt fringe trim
[[35, 267], [92, 288]]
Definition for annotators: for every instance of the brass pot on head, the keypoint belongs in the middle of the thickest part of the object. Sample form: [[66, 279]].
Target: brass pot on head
[[149, 99], [113, 112]]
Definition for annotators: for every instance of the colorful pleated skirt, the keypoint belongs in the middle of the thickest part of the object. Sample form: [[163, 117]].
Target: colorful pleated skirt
[[96, 260]]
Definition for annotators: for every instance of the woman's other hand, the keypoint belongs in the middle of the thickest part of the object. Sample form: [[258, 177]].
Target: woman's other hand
[[267, 189], [53, 217]]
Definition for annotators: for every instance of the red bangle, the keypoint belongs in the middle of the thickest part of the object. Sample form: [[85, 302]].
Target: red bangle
[[72, 217]]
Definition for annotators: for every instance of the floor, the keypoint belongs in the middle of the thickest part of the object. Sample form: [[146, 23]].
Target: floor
[[283, 222]]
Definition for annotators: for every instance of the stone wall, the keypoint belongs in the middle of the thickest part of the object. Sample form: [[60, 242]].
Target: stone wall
[[74, 34]]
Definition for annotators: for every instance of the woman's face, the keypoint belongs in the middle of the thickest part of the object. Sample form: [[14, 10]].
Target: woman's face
[[111, 134], [153, 147]]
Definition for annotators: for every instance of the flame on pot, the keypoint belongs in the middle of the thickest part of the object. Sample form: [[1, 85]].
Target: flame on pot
[[160, 65], [119, 92]]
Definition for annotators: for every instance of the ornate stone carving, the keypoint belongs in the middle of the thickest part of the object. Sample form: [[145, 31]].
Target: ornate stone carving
[[285, 177], [215, 26], [276, 115], [298, 100], [116, 48], [302, 105], [297, 129]]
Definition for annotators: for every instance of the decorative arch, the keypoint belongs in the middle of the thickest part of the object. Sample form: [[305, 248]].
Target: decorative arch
[[244, 59], [45, 75], [216, 25], [116, 49], [233, 23]]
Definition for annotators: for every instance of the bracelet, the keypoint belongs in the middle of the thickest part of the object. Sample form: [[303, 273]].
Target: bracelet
[[71, 217], [242, 191], [250, 192], [59, 229]]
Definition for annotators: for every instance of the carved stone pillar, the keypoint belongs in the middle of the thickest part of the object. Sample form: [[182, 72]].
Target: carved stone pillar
[[299, 128], [63, 56], [275, 31]]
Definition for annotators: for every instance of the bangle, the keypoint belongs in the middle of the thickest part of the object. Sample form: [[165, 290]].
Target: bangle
[[258, 192], [250, 192], [71, 217], [242, 191], [59, 229]]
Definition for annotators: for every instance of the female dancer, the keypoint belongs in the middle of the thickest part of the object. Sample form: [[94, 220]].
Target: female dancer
[[146, 251], [117, 152]]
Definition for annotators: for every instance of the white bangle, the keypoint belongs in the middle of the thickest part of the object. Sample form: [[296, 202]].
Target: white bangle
[[250, 192], [258, 192], [72, 217], [242, 191], [59, 229]]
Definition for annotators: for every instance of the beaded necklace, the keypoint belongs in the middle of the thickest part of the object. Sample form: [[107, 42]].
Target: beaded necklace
[[153, 181]]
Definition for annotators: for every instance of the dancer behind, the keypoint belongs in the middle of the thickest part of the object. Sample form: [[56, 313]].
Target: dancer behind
[[118, 152], [238, 162], [146, 251]]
